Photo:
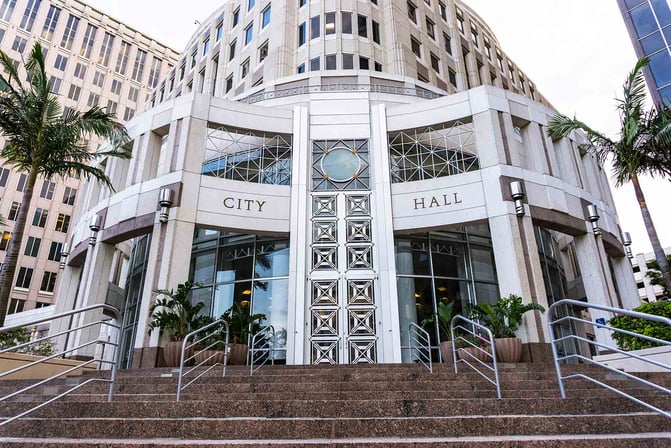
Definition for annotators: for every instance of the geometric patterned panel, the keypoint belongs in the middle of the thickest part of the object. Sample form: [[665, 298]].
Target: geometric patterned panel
[[358, 231], [324, 231], [248, 156], [325, 352], [432, 152], [324, 258], [324, 206], [325, 293], [324, 322], [360, 292], [359, 257], [362, 351], [361, 322], [358, 205]]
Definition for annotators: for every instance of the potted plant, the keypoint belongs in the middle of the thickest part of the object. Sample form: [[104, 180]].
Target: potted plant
[[504, 319], [444, 314], [241, 323], [174, 315], [214, 347], [476, 346]]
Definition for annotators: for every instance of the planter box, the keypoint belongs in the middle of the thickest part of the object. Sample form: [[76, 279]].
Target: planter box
[[621, 362], [9, 361]]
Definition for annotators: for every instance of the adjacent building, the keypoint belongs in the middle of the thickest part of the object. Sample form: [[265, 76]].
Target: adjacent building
[[649, 26], [343, 168], [646, 290], [92, 59]]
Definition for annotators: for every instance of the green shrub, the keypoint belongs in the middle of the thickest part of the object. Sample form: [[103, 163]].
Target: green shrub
[[22, 335], [657, 330]]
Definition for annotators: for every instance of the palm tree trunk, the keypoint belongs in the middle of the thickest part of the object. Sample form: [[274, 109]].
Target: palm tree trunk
[[9, 266], [652, 232]]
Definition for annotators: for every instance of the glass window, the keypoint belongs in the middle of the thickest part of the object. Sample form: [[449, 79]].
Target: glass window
[[249, 31], [231, 50], [80, 71], [300, 68], [89, 39], [29, 15], [314, 27], [7, 9], [314, 64], [47, 191], [435, 63], [61, 62], [122, 59], [416, 47], [62, 223], [106, 49], [430, 28], [250, 4], [660, 66], [70, 31], [376, 32], [447, 42], [236, 18], [412, 12], [643, 20], [330, 61], [55, 251], [347, 61], [21, 184], [40, 217], [362, 26], [155, 72], [16, 306], [265, 17], [69, 196], [4, 176], [302, 34], [13, 211], [220, 31], [329, 23], [32, 247], [138, 67], [98, 79], [363, 63], [263, 51], [24, 278], [346, 22], [4, 241], [662, 10], [48, 282], [244, 69]]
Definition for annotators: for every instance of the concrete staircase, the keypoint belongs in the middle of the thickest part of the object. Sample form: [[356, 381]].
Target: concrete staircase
[[344, 406]]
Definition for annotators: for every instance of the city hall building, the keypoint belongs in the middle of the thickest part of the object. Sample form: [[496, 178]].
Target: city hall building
[[343, 167]]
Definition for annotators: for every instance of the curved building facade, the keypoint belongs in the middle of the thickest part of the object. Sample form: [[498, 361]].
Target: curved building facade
[[343, 168]]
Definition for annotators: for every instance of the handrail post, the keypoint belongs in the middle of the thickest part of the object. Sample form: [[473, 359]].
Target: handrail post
[[98, 361], [553, 320]]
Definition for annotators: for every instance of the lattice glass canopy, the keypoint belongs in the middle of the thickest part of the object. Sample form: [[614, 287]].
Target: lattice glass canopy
[[432, 152], [248, 156]]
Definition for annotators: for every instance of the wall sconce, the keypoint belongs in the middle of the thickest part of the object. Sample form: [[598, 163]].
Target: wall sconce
[[165, 201], [626, 240], [593, 217], [95, 224], [65, 253], [518, 194]]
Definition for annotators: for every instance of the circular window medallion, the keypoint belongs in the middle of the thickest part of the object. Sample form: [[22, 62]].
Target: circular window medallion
[[341, 164]]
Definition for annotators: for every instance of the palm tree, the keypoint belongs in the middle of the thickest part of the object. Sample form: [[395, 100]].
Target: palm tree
[[644, 147], [42, 139]]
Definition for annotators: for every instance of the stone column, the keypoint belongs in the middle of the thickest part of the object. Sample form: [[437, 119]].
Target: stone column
[[389, 329]]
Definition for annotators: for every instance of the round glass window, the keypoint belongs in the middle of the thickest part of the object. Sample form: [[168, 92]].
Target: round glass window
[[341, 164]]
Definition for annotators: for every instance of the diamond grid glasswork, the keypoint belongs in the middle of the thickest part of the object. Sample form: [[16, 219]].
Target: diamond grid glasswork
[[432, 152], [248, 156]]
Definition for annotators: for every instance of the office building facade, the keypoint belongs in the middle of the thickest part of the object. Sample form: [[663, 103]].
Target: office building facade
[[649, 26], [343, 168], [92, 59]]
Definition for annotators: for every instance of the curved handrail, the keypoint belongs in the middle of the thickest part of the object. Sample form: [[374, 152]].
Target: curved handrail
[[552, 321], [266, 345], [98, 361], [419, 342], [477, 335], [186, 347]]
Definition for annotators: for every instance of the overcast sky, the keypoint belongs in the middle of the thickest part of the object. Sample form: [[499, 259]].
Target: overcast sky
[[577, 52]]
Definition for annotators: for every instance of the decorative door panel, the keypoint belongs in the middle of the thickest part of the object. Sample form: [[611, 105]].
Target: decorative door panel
[[342, 326]]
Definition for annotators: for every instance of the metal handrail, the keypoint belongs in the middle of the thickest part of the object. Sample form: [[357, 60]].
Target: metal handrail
[[558, 359], [97, 361], [266, 340], [419, 341], [205, 335], [459, 330]]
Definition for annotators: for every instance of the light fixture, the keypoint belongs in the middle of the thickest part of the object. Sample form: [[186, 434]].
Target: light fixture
[[65, 253], [626, 240], [165, 201], [95, 224], [518, 194], [593, 217]]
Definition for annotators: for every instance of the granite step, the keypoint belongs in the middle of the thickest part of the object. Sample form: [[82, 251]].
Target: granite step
[[328, 428], [636, 440], [327, 408]]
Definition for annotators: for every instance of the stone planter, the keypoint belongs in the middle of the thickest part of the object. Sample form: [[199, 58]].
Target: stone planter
[[172, 353], [217, 357], [11, 360], [508, 349], [446, 352], [478, 354], [237, 354]]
